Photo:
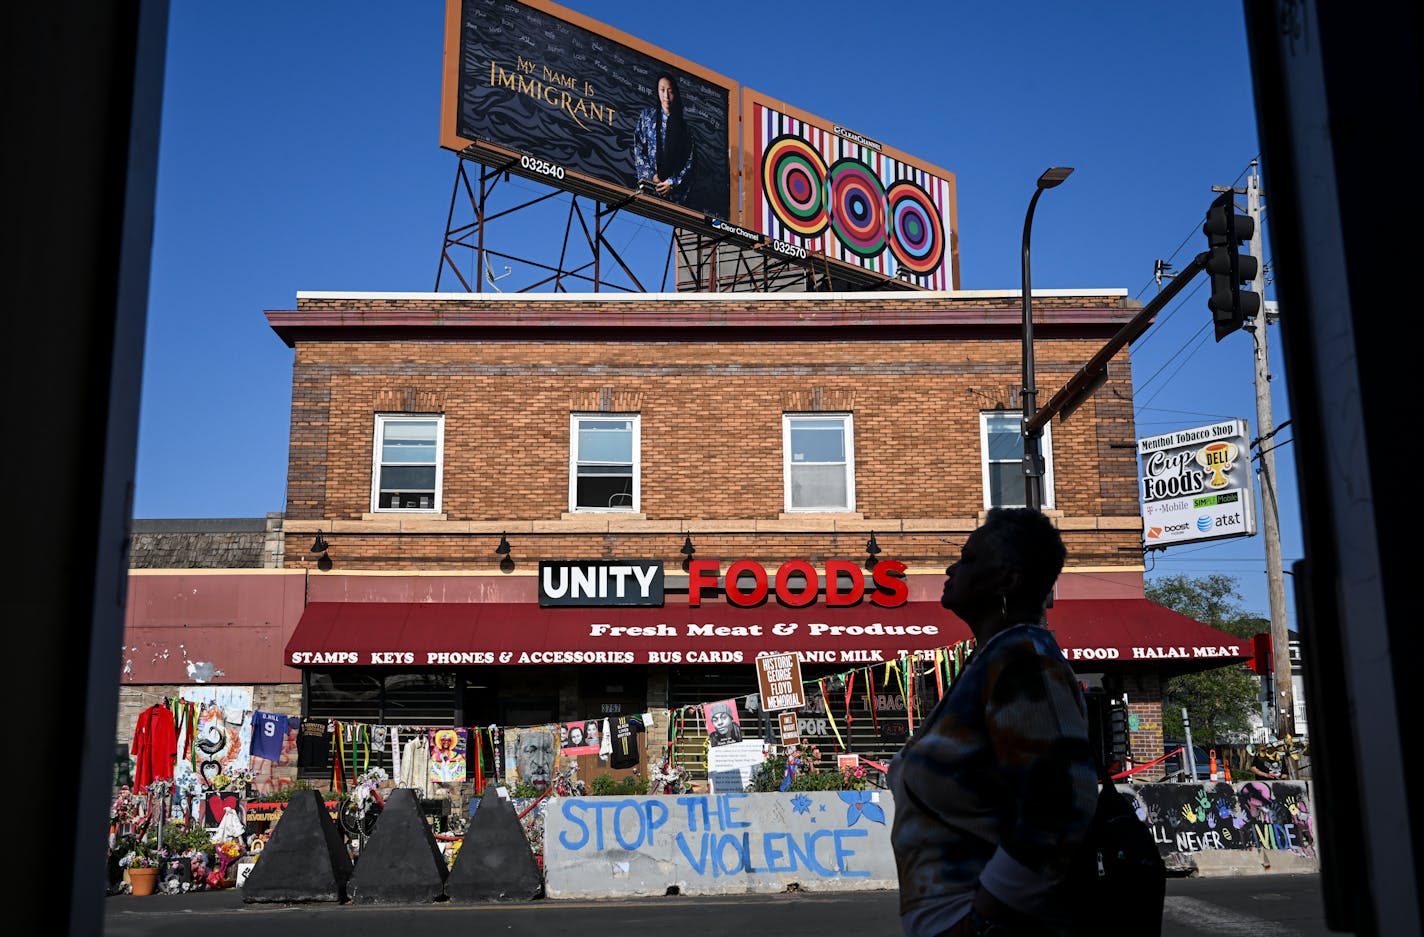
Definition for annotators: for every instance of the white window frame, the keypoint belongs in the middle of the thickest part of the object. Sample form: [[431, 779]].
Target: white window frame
[[848, 428], [637, 426], [379, 433], [1046, 446]]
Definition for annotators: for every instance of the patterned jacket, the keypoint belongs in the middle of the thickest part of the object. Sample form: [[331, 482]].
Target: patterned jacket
[[996, 787], [645, 154]]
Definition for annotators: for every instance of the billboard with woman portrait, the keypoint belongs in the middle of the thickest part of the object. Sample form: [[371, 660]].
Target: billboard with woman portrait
[[554, 95]]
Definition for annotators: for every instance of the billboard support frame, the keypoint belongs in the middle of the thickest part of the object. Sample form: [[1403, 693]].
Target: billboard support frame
[[705, 253], [521, 79], [459, 235]]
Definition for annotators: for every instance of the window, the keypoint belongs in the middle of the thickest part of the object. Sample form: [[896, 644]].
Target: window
[[367, 696], [1001, 436], [603, 463], [818, 454], [407, 471]]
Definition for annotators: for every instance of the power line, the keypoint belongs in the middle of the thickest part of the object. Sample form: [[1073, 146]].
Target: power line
[[1254, 562], [1200, 339], [1284, 442], [1193, 231], [1210, 416]]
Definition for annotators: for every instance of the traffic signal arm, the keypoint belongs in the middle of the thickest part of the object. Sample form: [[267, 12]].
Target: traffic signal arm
[[1230, 305], [1091, 375]]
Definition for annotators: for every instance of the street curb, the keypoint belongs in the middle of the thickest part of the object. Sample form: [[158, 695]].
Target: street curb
[[1231, 862]]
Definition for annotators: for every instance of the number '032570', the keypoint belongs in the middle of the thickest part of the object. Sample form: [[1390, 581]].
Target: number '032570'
[[543, 167]]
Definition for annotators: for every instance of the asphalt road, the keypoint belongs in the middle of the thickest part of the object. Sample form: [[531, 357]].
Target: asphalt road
[[1258, 905]]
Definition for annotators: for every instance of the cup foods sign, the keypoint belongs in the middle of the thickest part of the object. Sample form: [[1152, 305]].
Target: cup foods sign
[[1196, 485]]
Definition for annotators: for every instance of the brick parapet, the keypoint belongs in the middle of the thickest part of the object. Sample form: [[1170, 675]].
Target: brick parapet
[[506, 405]]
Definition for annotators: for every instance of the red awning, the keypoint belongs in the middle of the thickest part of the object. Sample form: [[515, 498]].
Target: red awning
[[1092, 633], [1126, 631]]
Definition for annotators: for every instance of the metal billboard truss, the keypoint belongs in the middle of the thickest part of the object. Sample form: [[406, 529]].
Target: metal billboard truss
[[701, 256], [617, 125], [584, 252]]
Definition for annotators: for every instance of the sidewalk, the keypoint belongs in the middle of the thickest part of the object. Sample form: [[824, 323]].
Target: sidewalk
[[1281, 904]]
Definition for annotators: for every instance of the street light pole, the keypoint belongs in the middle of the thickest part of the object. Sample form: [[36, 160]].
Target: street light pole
[[1033, 438]]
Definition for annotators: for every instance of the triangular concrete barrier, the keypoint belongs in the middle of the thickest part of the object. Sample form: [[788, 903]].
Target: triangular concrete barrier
[[306, 858], [495, 862], [401, 862]]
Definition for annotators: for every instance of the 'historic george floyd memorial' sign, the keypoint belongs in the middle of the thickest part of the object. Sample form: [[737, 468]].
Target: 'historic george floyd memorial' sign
[[1196, 485]]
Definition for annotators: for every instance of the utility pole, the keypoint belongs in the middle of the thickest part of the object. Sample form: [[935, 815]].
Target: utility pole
[[1270, 515]]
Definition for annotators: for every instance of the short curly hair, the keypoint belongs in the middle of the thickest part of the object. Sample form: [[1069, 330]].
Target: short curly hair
[[1027, 540]]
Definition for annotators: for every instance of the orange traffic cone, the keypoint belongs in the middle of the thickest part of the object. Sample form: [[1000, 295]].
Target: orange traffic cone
[[1214, 775], [1226, 771]]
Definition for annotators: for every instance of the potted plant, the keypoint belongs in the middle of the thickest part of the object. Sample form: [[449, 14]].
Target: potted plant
[[143, 870]]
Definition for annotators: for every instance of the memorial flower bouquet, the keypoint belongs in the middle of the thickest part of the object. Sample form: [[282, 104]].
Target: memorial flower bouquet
[[667, 778], [798, 769], [228, 852], [127, 806], [534, 832], [854, 778], [141, 858]]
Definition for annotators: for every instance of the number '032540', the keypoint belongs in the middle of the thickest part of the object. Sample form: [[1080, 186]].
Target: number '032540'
[[543, 167]]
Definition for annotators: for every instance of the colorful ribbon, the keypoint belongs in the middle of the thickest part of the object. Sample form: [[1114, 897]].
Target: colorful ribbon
[[870, 695], [849, 687], [830, 716]]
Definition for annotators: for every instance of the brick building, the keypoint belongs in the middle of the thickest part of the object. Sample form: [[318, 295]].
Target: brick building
[[791, 432]]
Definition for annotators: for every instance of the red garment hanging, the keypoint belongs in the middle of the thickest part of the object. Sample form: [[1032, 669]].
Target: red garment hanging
[[154, 746]]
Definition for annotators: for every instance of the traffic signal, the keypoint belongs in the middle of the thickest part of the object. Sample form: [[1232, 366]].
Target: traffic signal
[[1225, 230]]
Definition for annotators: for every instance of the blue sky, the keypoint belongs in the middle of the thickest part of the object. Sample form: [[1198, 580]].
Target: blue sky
[[299, 151]]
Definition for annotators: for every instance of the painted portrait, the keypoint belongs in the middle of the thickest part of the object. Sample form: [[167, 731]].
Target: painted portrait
[[534, 754], [724, 723], [447, 755]]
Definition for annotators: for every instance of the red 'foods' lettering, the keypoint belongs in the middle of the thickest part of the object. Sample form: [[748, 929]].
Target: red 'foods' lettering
[[888, 588]]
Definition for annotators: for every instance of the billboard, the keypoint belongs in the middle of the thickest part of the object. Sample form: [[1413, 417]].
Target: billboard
[[1196, 485], [551, 94], [816, 188]]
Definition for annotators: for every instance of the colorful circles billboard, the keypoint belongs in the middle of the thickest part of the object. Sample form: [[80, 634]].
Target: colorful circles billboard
[[578, 102], [815, 185]]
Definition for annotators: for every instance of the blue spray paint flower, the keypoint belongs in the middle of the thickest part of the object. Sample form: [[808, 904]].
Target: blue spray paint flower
[[859, 804], [801, 803]]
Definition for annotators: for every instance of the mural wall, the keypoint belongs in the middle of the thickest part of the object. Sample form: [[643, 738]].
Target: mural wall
[[1188, 818], [718, 843], [840, 840]]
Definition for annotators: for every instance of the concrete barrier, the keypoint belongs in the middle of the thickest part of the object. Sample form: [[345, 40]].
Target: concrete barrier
[[305, 860], [1230, 828], [706, 844], [495, 862], [711, 844], [401, 862]]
